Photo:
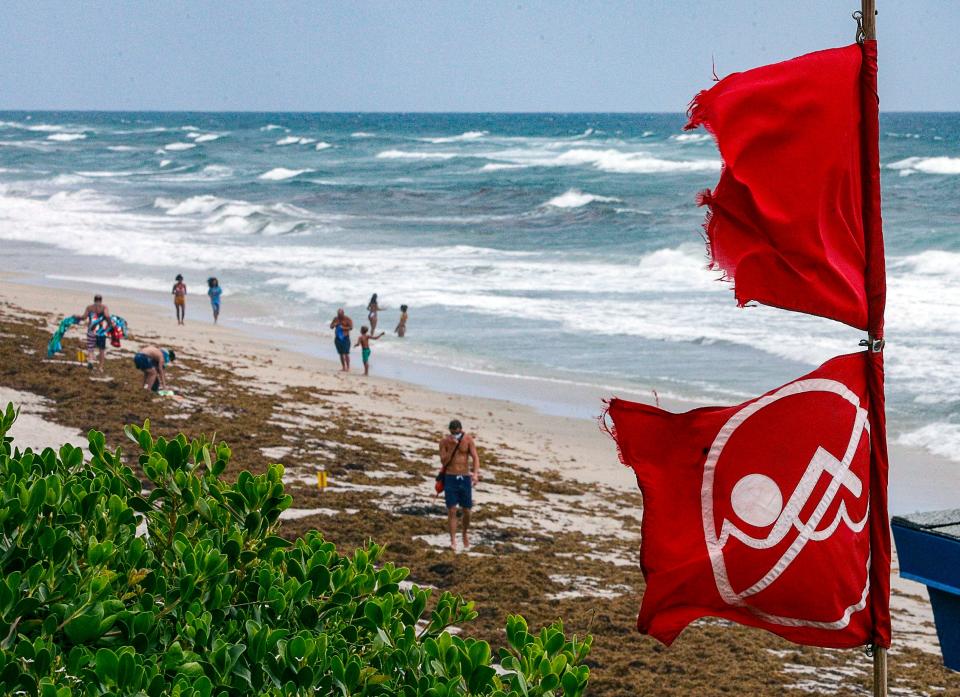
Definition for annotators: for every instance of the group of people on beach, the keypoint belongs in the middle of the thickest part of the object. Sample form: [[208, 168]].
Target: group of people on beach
[[150, 360], [179, 292], [342, 325]]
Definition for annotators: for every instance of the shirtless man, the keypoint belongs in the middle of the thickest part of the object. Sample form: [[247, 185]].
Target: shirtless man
[[342, 325], [153, 362], [458, 451], [97, 317]]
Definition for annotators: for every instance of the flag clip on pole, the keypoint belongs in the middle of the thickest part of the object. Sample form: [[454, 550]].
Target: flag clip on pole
[[873, 344]]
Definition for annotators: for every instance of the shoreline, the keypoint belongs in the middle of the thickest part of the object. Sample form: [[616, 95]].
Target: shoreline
[[919, 480], [558, 518]]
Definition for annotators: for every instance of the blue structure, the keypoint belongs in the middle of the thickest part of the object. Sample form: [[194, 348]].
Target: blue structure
[[928, 545]]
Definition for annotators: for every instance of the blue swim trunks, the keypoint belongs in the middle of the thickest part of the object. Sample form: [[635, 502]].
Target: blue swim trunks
[[342, 344], [458, 490]]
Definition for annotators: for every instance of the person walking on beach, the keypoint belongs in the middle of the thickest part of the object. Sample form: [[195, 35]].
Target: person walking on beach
[[214, 290], [401, 329], [180, 298], [363, 341], [342, 326], [97, 317], [372, 309], [153, 361], [458, 451]]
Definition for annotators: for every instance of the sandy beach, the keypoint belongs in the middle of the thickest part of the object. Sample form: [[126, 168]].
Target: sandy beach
[[557, 520]]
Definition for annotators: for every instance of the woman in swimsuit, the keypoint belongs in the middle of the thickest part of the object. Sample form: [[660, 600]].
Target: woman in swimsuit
[[372, 309], [180, 298], [214, 292], [401, 329]]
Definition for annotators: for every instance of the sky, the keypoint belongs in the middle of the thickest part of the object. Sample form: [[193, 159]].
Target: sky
[[436, 55]]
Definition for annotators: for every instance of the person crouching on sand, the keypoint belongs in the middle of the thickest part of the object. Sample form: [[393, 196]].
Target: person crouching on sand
[[180, 298], [153, 362], [363, 341], [458, 451], [342, 326]]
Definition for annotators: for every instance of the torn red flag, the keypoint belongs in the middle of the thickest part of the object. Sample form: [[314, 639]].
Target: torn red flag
[[786, 222], [760, 513]]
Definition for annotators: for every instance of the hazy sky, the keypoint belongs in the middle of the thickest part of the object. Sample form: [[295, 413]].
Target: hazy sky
[[453, 55]]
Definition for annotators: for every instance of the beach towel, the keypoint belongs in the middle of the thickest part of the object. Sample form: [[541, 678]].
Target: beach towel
[[55, 345]]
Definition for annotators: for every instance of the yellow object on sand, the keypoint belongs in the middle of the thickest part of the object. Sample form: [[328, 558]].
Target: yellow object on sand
[[81, 356], [322, 479]]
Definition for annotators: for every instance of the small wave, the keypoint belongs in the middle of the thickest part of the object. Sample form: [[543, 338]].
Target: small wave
[[904, 135], [165, 163], [295, 140], [272, 127], [206, 137], [497, 166], [633, 163], [574, 198], [65, 137], [190, 206], [940, 438], [323, 145], [362, 134], [468, 135], [281, 173], [173, 147], [691, 137], [927, 165], [121, 148], [646, 134], [38, 127], [586, 134], [407, 155]]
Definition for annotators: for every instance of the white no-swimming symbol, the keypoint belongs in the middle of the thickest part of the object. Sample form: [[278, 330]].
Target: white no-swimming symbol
[[757, 500]]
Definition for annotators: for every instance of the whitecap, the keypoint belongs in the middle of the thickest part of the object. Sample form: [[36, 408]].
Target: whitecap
[[179, 146], [164, 163], [295, 140], [574, 198], [691, 137], [362, 134], [927, 165], [468, 135], [322, 145], [407, 155], [121, 148], [272, 127], [66, 137], [497, 166], [940, 438], [205, 137], [281, 173]]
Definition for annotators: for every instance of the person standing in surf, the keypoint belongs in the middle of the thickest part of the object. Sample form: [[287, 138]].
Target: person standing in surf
[[363, 341], [342, 325], [458, 451], [401, 329], [97, 317], [372, 309], [180, 298], [214, 291]]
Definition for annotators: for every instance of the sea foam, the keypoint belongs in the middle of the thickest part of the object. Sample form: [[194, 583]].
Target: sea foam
[[173, 147], [66, 137], [927, 165], [574, 198], [281, 173], [407, 155]]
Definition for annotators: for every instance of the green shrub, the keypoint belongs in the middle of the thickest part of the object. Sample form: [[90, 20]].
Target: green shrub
[[211, 601]]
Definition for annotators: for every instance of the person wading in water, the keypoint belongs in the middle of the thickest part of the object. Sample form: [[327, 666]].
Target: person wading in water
[[458, 451]]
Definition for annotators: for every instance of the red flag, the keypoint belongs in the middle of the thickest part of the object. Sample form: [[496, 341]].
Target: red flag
[[760, 513], [786, 218]]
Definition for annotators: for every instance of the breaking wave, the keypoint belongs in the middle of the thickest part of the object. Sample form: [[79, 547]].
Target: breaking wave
[[927, 165], [282, 173], [407, 155], [65, 137], [574, 198]]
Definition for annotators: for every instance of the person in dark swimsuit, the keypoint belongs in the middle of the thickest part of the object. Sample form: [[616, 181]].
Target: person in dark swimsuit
[[342, 325], [153, 362], [372, 309]]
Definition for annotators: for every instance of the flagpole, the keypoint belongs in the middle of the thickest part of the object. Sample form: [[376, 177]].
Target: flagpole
[[868, 14]]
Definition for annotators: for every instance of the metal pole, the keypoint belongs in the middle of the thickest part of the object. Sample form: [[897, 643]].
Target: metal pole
[[868, 10]]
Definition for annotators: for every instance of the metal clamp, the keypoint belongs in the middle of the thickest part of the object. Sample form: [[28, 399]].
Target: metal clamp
[[873, 345]]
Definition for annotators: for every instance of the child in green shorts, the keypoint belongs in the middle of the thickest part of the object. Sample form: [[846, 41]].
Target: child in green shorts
[[363, 341]]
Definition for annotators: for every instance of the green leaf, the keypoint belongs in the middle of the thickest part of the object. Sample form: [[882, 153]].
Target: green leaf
[[83, 629], [107, 665]]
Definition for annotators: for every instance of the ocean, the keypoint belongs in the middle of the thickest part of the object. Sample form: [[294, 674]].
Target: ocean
[[561, 247]]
